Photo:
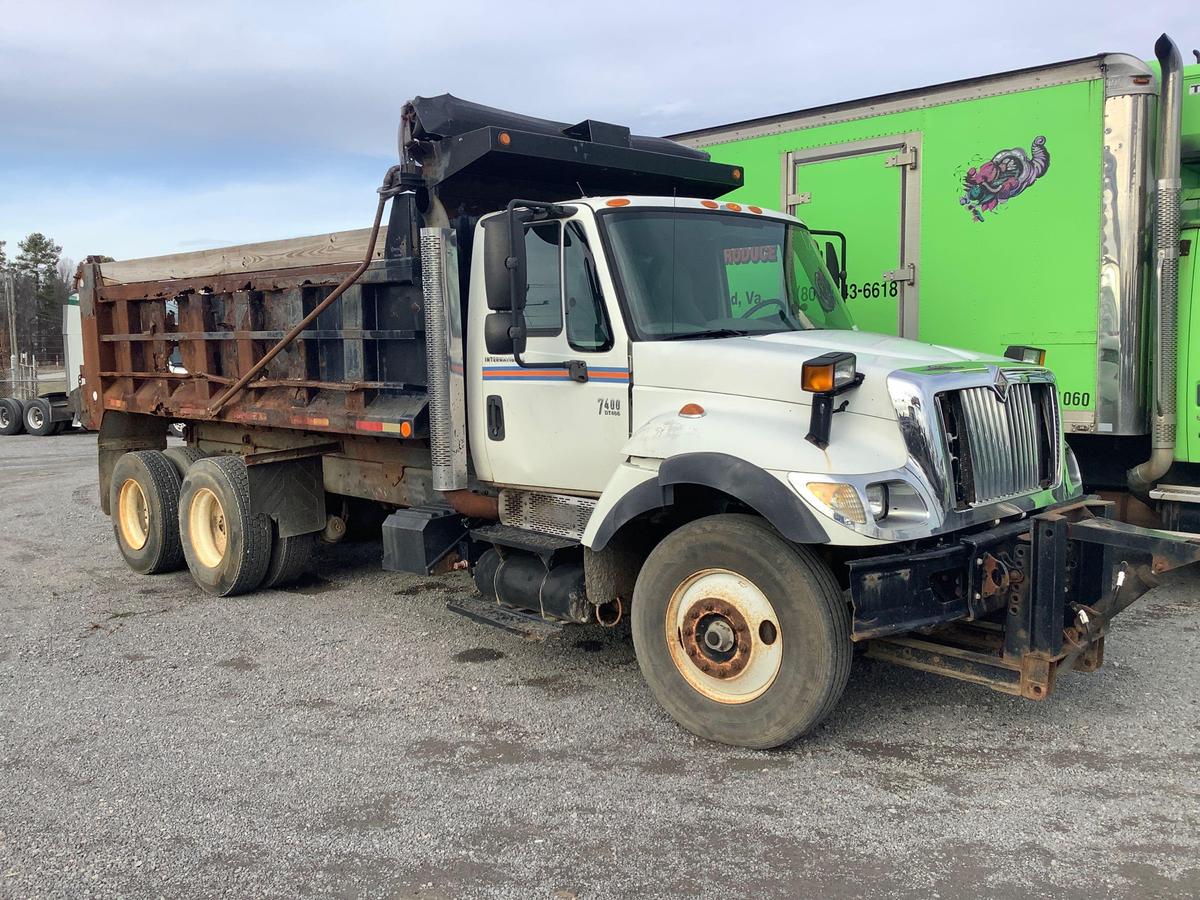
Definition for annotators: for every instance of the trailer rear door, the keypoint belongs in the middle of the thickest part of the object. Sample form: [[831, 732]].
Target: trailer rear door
[[868, 191]]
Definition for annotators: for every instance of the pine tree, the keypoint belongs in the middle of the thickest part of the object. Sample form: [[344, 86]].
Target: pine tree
[[38, 260]]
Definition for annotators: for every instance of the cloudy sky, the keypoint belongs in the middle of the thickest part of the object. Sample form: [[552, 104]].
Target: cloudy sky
[[137, 128]]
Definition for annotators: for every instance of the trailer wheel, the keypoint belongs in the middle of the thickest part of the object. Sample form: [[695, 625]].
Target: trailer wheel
[[144, 499], [227, 548], [183, 457], [12, 416], [743, 637], [291, 558], [39, 418]]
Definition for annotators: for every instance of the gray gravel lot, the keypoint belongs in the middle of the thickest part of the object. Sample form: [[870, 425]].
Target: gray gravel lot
[[353, 738]]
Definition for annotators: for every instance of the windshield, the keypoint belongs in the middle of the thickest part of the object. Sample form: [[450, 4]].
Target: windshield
[[691, 273]]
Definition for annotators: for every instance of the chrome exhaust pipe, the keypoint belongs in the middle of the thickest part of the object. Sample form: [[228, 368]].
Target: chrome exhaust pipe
[[1166, 270]]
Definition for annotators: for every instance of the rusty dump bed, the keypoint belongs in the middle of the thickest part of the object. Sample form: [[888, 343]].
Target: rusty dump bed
[[166, 336]]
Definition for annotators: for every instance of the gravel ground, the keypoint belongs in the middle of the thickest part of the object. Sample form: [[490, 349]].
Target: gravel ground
[[353, 738]]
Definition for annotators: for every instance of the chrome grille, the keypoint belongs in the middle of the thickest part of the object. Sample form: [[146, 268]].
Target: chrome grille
[[1001, 448]]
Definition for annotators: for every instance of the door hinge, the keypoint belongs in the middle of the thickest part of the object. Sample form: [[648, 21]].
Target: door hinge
[[906, 274], [906, 158]]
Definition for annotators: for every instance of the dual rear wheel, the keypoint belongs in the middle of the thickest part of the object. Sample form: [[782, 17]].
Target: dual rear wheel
[[181, 507]]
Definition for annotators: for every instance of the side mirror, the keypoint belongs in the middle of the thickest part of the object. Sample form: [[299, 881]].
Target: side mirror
[[504, 260], [504, 332], [835, 257], [832, 263]]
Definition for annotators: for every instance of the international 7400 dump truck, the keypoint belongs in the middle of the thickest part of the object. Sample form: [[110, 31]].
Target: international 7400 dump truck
[[1038, 207], [568, 366]]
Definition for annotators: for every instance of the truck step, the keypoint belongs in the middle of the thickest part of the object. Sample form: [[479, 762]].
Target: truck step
[[521, 539], [1180, 493], [528, 625]]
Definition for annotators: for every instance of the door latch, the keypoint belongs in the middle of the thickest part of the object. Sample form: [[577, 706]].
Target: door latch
[[906, 274]]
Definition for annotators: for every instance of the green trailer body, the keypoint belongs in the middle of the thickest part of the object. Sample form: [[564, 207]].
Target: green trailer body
[[1009, 209]]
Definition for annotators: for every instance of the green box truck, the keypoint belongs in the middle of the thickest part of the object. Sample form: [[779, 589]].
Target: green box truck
[[1040, 207]]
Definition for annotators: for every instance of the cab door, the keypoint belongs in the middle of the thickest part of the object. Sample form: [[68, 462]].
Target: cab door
[[868, 192], [542, 429]]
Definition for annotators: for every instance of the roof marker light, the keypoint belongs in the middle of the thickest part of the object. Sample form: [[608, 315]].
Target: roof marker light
[[618, 201], [504, 138], [737, 174], [736, 207], [755, 209], [711, 204], [691, 411]]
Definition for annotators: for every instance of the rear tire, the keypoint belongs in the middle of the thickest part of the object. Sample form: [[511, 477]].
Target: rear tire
[[12, 416], [144, 500], [183, 457], [291, 559], [227, 548], [742, 637], [39, 417]]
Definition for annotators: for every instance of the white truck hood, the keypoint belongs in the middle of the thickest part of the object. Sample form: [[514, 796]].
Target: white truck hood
[[768, 366]]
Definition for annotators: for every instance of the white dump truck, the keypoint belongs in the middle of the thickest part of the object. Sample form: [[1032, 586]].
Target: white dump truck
[[569, 366]]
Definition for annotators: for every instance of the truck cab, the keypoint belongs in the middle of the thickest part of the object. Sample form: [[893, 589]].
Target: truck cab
[[657, 327]]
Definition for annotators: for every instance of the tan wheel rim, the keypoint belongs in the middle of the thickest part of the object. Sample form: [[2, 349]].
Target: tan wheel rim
[[207, 529], [724, 636], [133, 515]]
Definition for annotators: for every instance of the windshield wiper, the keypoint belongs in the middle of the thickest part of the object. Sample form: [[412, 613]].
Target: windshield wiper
[[713, 333]]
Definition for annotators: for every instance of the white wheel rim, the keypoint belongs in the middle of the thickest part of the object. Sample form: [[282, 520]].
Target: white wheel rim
[[36, 419], [4, 419], [705, 613], [207, 528], [133, 515]]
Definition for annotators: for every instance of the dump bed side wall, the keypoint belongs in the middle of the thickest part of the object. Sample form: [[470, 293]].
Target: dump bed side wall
[[1026, 271], [169, 347]]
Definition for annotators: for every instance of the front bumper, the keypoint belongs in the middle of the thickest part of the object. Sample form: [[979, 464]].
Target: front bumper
[[1011, 606]]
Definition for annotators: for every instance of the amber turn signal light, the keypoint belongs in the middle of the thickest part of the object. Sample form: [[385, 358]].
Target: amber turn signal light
[[829, 373], [1033, 355]]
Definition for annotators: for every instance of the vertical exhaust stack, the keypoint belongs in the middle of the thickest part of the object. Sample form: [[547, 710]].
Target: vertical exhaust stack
[[444, 350], [1166, 269]]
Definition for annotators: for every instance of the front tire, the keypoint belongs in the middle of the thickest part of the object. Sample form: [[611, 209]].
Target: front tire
[[742, 637], [227, 548], [144, 500]]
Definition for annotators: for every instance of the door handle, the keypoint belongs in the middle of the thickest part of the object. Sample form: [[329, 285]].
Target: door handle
[[495, 418]]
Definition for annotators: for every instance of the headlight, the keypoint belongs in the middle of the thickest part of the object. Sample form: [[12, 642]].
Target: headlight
[[897, 502], [877, 500]]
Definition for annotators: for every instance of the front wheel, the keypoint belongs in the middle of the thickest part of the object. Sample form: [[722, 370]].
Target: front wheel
[[742, 637]]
